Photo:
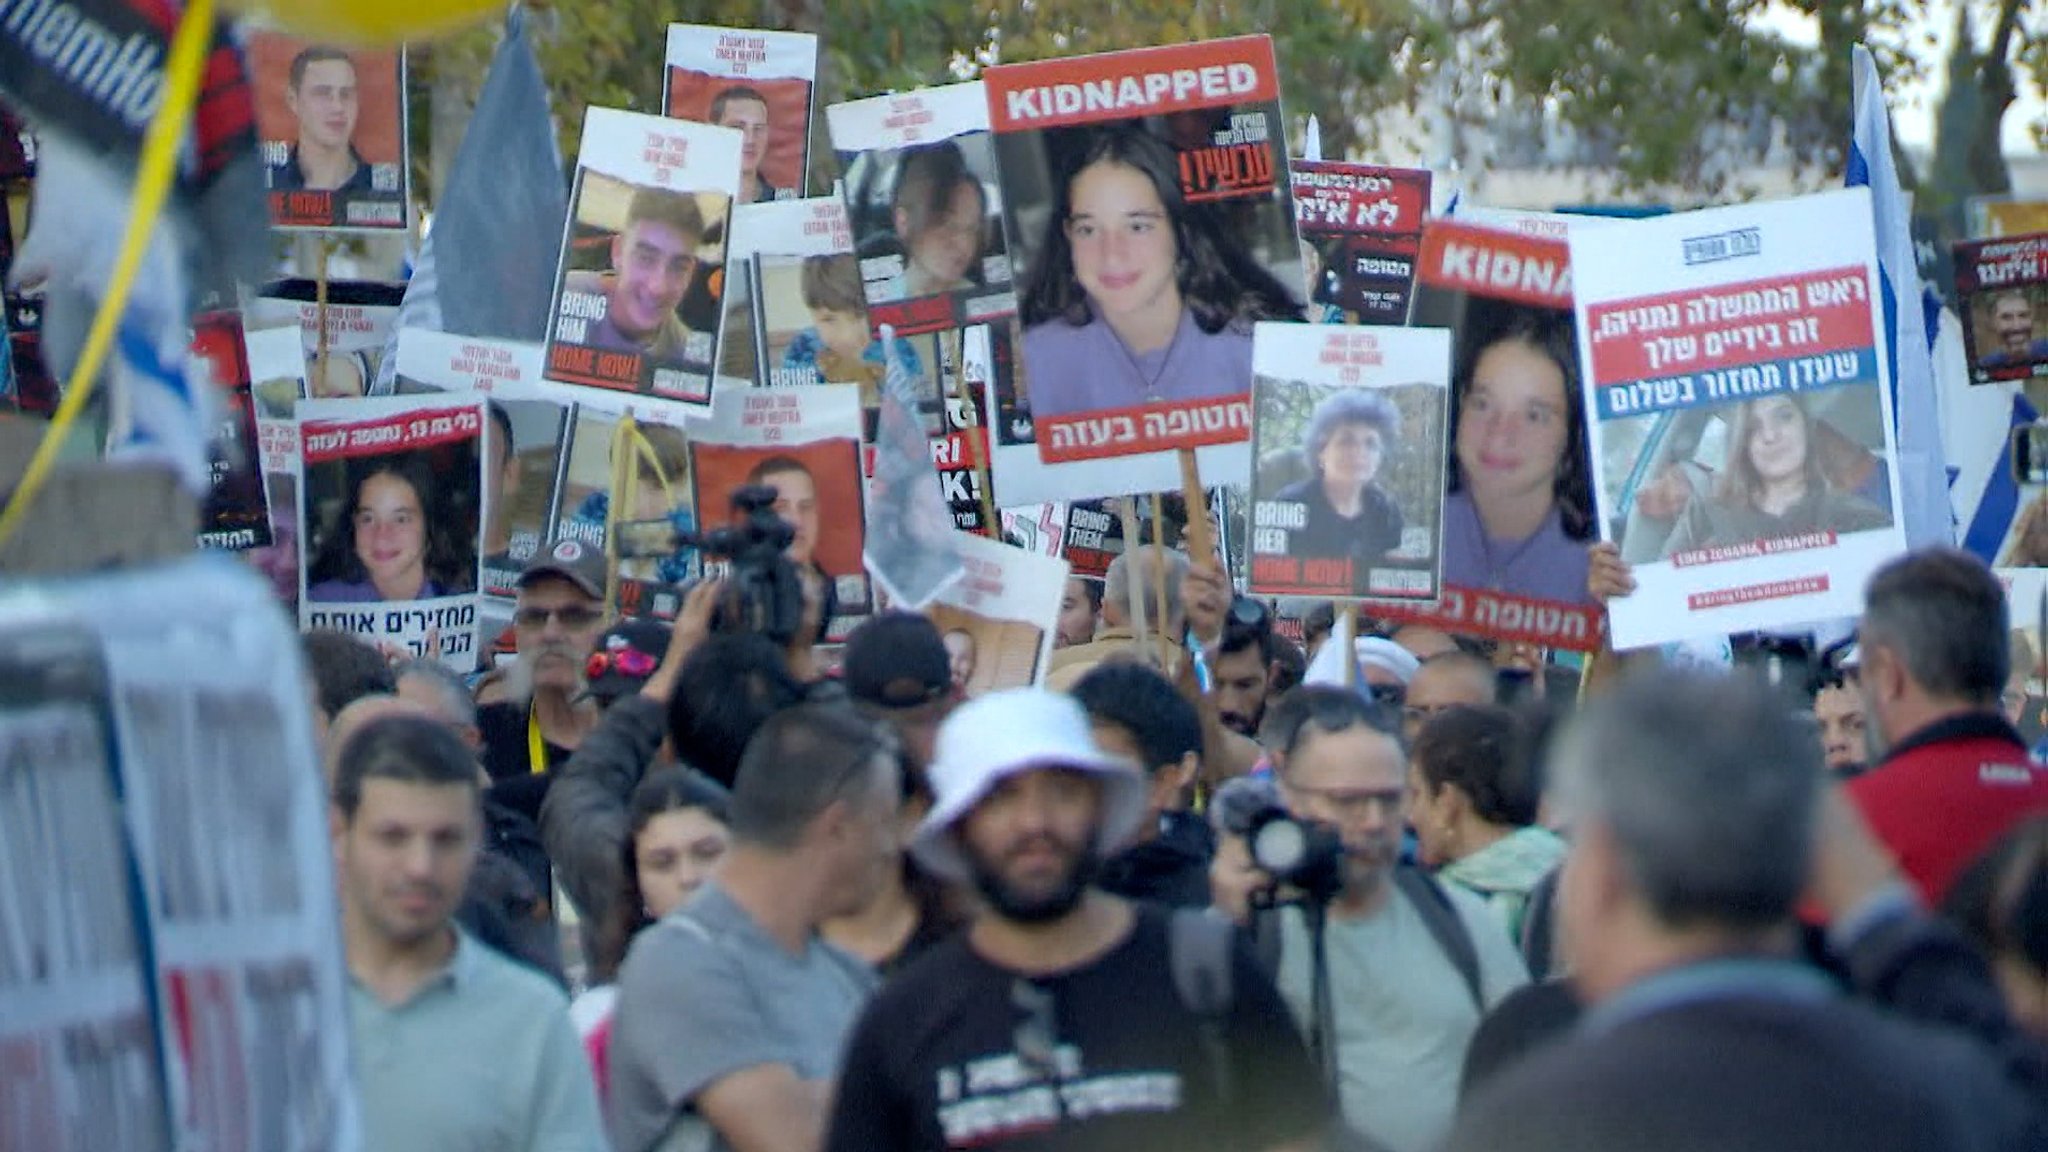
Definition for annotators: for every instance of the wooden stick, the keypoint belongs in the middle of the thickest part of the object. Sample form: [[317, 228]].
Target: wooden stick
[[977, 435], [625, 476], [1166, 641], [1201, 545], [1133, 545], [320, 316]]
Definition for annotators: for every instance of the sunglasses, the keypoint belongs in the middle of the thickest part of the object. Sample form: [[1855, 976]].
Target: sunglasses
[[572, 616], [626, 661]]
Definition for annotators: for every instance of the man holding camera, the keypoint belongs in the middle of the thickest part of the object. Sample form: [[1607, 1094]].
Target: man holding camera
[[1412, 965]]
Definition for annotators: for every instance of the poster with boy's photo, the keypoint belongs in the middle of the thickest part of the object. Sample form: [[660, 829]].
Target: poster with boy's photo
[[1361, 230], [360, 315], [523, 439], [1518, 518], [999, 620], [390, 505], [1735, 377], [2003, 288], [1349, 439], [1151, 224], [655, 563], [235, 516], [921, 194], [636, 306], [331, 128], [277, 375], [758, 83], [804, 443]]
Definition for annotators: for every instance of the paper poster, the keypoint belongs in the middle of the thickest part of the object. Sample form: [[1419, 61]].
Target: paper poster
[[921, 194], [17, 149], [2003, 286], [804, 443], [1361, 230], [636, 307], [1040, 529], [759, 83], [1151, 225], [1094, 537], [999, 620], [908, 545], [33, 390], [360, 314], [1735, 375], [331, 128], [795, 313], [1518, 505], [1349, 439], [390, 491], [655, 560], [277, 375], [234, 517], [524, 439]]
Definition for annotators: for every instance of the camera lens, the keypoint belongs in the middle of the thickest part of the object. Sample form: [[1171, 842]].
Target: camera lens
[[1280, 846]]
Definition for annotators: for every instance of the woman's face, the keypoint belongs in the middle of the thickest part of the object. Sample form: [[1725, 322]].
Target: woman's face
[[1512, 422], [949, 243], [1430, 831], [391, 532], [1351, 456], [1122, 240], [674, 855], [1777, 438]]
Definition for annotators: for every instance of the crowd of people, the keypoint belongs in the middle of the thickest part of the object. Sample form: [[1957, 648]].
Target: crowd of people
[[658, 887]]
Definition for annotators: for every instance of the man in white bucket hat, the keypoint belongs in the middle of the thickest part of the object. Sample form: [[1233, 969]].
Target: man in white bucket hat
[[1065, 1015]]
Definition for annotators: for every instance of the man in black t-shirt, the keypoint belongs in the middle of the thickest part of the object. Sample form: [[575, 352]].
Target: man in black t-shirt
[[1054, 1022]]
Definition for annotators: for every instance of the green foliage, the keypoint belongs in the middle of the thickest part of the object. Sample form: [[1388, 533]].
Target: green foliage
[[1412, 470]]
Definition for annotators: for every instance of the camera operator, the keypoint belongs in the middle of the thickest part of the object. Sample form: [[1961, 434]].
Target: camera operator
[[1409, 965]]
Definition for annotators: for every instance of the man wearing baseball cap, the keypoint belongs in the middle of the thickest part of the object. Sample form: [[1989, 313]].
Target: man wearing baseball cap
[[1053, 1020]]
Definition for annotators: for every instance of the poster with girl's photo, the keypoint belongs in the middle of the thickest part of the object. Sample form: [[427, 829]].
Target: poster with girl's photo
[[1735, 375], [758, 83], [804, 444], [2003, 288], [1347, 489], [277, 375], [636, 306], [1361, 230], [391, 496], [523, 440], [331, 127], [235, 516], [360, 315], [999, 620], [661, 497], [1518, 517], [921, 195]]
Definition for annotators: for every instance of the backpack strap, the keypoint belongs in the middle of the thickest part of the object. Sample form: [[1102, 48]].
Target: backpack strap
[[1200, 952], [1445, 925], [1539, 925]]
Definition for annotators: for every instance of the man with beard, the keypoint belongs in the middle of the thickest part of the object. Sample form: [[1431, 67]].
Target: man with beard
[[2012, 321], [1050, 1022], [1243, 670], [426, 1001], [542, 714]]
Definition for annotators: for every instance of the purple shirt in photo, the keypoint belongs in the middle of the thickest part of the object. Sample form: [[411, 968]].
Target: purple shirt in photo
[[1072, 369], [1546, 566]]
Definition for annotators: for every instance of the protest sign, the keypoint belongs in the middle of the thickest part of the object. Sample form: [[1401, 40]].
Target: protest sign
[[637, 301], [1040, 529], [17, 149], [523, 439], [758, 83], [1094, 537], [2006, 215], [909, 542], [999, 620], [795, 310], [1518, 504], [390, 489], [921, 196], [1349, 430], [663, 499], [1734, 375], [805, 444], [331, 128], [234, 517], [360, 314], [2003, 289], [277, 375], [1151, 224], [1361, 230], [33, 389]]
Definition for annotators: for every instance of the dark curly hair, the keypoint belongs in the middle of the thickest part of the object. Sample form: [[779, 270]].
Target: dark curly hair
[[1486, 752], [1552, 336], [445, 562]]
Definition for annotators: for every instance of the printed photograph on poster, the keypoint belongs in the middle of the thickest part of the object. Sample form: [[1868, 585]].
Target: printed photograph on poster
[[2003, 289], [277, 371], [999, 620], [2024, 543], [2025, 699], [234, 516], [637, 295], [909, 542], [925, 207], [1518, 514], [759, 83], [1735, 375], [1151, 225], [360, 314], [1349, 439], [523, 439], [663, 492], [1361, 231], [331, 127], [390, 509], [804, 443]]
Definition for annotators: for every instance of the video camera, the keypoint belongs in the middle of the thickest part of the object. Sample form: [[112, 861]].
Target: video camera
[[1304, 856], [764, 593]]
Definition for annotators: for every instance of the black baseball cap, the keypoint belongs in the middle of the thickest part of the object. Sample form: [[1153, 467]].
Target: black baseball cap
[[896, 660], [571, 560]]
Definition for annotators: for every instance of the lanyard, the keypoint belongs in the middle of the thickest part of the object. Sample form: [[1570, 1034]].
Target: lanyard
[[536, 750]]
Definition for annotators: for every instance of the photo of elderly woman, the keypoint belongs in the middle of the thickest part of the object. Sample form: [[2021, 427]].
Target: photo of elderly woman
[[385, 531], [1348, 512], [1133, 295]]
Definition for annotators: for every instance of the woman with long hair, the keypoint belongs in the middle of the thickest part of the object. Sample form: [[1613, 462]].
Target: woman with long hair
[[939, 210], [1138, 296], [1772, 484], [390, 545], [1518, 509]]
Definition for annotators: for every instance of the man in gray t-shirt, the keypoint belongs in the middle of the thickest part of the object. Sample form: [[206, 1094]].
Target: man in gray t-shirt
[[732, 1011]]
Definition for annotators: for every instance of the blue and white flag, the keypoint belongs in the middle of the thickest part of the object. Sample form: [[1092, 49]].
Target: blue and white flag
[[1909, 310], [910, 541]]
